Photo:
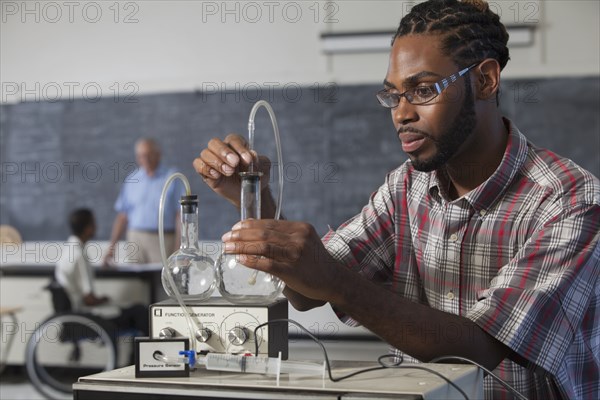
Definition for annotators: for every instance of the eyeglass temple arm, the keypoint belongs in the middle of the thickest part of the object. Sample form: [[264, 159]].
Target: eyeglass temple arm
[[444, 83]]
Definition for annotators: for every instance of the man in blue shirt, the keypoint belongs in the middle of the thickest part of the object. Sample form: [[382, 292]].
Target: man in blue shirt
[[137, 208]]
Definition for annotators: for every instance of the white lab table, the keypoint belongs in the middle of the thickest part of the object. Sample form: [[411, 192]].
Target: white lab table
[[392, 383]]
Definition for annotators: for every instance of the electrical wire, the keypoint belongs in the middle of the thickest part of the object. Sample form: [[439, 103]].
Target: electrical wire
[[362, 371], [487, 371]]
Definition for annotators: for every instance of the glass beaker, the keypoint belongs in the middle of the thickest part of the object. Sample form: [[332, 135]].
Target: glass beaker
[[237, 283], [193, 273]]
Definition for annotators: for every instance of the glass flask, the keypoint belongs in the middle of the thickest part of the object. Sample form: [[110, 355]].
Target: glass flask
[[239, 284], [193, 273]]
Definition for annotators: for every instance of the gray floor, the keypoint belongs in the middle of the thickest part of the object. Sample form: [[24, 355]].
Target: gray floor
[[15, 386]]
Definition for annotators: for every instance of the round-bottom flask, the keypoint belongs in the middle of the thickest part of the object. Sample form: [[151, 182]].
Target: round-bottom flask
[[193, 273], [239, 284]]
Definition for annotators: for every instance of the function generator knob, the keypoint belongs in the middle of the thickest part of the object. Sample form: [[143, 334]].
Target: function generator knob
[[238, 336], [167, 333], [202, 335]]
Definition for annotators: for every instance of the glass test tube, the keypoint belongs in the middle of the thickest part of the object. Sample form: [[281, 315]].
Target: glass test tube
[[250, 197]]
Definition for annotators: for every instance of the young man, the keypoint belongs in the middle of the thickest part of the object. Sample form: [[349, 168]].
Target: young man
[[76, 276], [482, 245]]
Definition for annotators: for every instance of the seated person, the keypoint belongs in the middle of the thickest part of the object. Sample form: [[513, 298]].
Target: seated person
[[76, 276]]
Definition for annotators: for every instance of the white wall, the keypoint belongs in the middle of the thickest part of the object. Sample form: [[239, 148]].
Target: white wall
[[63, 49]]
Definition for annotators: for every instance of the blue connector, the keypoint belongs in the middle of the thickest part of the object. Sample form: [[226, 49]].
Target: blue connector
[[190, 355]]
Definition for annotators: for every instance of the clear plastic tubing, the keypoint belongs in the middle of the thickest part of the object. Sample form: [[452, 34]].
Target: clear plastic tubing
[[159, 356], [163, 252], [251, 128]]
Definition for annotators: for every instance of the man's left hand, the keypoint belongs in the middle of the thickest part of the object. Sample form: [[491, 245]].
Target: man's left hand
[[291, 251]]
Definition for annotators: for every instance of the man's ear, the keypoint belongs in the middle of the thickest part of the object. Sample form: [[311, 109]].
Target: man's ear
[[487, 79]]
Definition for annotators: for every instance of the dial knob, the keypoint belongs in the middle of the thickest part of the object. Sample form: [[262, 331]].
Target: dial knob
[[202, 335], [167, 333], [238, 336]]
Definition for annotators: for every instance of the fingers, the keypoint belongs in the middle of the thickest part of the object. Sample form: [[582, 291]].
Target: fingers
[[288, 253], [107, 262], [230, 152], [278, 232], [260, 263], [222, 158], [263, 242], [276, 240], [206, 169], [240, 147]]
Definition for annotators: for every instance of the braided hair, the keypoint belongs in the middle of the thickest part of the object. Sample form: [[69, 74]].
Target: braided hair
[[472, 32]]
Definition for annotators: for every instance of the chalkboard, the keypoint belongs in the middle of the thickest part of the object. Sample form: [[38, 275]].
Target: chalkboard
[[338, 144]]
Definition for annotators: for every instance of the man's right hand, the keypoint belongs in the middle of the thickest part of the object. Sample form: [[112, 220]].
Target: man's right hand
[[108, 260], [221, 162]]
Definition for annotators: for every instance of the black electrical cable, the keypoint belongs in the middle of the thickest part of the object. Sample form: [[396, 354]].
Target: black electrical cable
[[362, 371], [487, 371]]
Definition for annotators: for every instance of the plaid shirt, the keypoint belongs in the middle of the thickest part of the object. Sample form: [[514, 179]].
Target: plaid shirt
[[519, 255]]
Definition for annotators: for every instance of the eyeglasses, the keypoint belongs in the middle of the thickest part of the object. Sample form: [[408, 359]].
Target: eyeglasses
[[419, 94]]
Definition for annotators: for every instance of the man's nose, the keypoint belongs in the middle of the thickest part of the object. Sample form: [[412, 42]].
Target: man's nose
[[405, 112]]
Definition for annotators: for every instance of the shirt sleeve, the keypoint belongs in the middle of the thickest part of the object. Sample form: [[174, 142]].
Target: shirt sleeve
[[66, 265], [84, 275], [539, 302], [121, 204], [366, 243]]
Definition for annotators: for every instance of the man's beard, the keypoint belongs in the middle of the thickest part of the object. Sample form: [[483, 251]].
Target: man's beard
[[450, 141]]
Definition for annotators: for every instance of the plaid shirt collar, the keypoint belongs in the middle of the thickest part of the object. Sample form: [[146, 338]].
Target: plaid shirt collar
[[483, 197]]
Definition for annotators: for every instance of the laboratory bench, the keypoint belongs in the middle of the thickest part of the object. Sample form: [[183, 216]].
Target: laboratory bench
[[346, 355], [391, 383]]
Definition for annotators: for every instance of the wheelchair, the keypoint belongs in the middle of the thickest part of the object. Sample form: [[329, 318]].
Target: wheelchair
[[68, 345]]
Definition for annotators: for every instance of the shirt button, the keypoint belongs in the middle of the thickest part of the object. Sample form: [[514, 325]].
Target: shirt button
[[453, 237], [482, 212], [450, 295]]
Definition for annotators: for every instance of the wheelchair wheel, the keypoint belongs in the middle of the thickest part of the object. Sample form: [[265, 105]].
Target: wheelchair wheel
[[64, 348]]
